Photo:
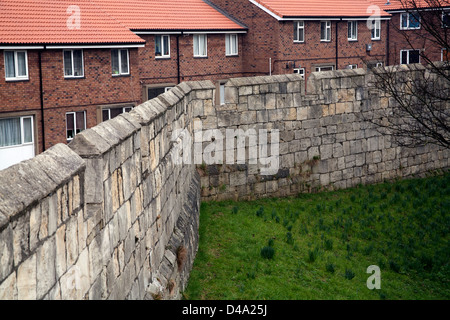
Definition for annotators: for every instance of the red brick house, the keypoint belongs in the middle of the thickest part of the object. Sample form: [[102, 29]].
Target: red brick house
[[55, 70], [307, 36], [409, 39], [67, 65]]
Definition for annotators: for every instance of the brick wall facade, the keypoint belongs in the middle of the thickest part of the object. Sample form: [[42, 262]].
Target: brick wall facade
[[409, 39]]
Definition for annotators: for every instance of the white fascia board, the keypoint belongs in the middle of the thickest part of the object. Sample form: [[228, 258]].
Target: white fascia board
[[215, 32], [330, 18], [96, 46], [157, 32], [21, 47], [266, 10], [418, 9]]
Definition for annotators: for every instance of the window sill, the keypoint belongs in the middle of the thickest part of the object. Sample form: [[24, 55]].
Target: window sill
[[121, 75], [325, 41], [378, 39], [162, 58], [299, 41], [16, 79], [74, 78], [200, 57], [232, 55], [352, 40]]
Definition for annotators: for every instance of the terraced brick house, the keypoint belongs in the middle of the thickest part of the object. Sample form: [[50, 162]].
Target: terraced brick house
[[409, 39], [306, 36], [66, 66]]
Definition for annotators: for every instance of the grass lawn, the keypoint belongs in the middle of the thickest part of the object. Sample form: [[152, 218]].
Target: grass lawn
[[322, 245]]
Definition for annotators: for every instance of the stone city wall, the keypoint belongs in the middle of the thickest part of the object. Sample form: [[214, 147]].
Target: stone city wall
[[325, 143], [115, 214]]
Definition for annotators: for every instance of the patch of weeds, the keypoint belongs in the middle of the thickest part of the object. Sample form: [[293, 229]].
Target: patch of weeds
[[267, 252], [289, 238], [235, 209], [260, 212], [330, 267], [270, 242], [329, 244], [312, 255], [349, 274]]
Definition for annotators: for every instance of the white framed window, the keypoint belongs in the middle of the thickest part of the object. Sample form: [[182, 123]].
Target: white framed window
[[409, 56], [120, 62], [376, 29], [200, 45], [324, 68], [446, 19], [299, 31], [300, 71], [111, 113], [325, 31], [231, 44], [409, 21], [75, 123], [154, 91], [352, 66], [352, 30], [73, 63], [16, 65], [162, 46], [16, 131]]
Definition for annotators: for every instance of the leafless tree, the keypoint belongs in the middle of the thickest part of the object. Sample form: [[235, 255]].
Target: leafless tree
[[419, 94]]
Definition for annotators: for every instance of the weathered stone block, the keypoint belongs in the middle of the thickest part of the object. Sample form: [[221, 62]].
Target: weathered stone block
[[26, 279], [46, 272]]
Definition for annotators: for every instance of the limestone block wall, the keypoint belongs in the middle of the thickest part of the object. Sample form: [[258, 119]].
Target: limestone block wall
[[111, 216], [324, 141], [115, 215]]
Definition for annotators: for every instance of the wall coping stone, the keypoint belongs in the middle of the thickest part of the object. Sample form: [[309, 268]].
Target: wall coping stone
[[34, 179]]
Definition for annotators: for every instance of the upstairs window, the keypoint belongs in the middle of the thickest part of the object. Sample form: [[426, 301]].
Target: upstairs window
[[16, 65], [325, 31], [73, 64], [352, 31], [299, 31], [75, 123], [200, 45], [162, 46], [120, 62], [409, 20], [376, 29], [445, 19], [231, 44]]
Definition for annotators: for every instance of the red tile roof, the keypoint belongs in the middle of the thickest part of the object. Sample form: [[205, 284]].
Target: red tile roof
[[167, 15], [45, 22], [319, 8], [409, 4], [103, 21]]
